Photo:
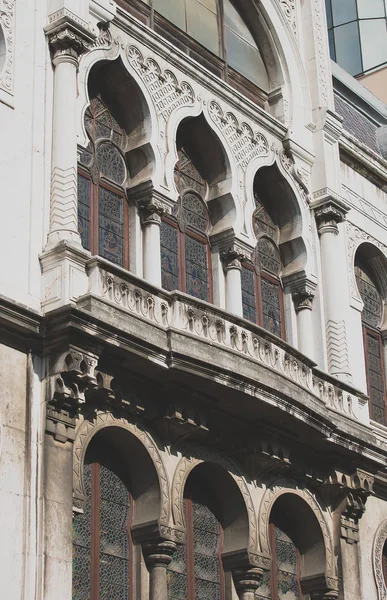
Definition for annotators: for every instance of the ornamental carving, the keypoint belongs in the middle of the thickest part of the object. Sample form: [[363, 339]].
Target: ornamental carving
[[184, 468], [7, 33], [245, 143], [377, 560], [166, 91], [289, 10], [88, 429], [319, 36], [283, 486], [355, 237]]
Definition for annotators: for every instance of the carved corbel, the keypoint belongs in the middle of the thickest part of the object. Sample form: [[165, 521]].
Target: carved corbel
[[152, 205], [109, 392], [182, 422], [233, 252], [247, 570], [72, 376], [68, 35]]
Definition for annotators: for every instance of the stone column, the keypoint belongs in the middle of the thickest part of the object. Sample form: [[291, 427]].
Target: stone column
[[329, 211], [231, 256], [158, 556], [68, 39], [303, 299], [246, 582]]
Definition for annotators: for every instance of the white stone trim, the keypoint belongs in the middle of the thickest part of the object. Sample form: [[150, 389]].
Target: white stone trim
[[7, 25]]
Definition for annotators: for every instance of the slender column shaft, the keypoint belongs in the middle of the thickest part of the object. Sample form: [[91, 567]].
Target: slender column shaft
[[151, 250], [305, 331], [234, 289], [158, 557]]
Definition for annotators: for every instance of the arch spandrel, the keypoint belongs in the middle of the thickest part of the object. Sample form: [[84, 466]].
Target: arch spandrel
[[158, 499], [273, 492], [198, 456]]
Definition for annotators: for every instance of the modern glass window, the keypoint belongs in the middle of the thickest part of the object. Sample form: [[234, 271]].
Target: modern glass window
[[102, 548], [357, 31], [283, 582], [215, 33], [373, 345], [262, 296], [184, 243], [102, 205], [196, 571]]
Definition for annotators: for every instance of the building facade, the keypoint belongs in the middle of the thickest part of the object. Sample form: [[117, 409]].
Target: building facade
[[192, 305]]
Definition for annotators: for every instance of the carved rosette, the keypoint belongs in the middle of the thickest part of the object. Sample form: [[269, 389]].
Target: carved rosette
[[7, 34]]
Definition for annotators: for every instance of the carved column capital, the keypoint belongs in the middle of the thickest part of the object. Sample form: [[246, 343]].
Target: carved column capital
[[152, 205], [159, 553], [329, 209], [68, 36], [233, 253], [303, 290]]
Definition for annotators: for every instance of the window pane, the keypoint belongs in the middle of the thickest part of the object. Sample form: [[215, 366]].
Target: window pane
[[84, 210], [114, 542], [373, 304], [347, 45], [373, 43], [329, 13], [375, 379], [343, 11], [196, 268], [110, 226], [268, 256], [194, 212], [331, 39], [177, 575], [187, 176], [271, 306], [248, 295], [264, 590], [242, 51], [206, 541], [173, 10], [370, 8], [202, 24], [82, 544], [287, 566], [110, 163], [169, 257]]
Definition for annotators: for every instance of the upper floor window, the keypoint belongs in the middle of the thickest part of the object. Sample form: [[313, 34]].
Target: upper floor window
[[373, 346], [102, 205], [213, 32], [102, 549], [261, 285], [284, 579], [196, 569], [184, 244]]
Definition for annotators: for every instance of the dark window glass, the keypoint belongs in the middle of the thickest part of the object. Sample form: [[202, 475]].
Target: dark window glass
[[196, 268], [329, 13], [110, 228], [110, 163], [331, 40], [373, 304], [177, 575], [271, 306], [169, 256], [194, 212], [262, 222], [103, 526], [343, 11], [84, 210], [375, 377], [268, 256], [347, 45], [187, 177], [248, 295], [373, 53], [384, 562]]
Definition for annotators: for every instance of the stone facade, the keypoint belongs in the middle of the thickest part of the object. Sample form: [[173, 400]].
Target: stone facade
[[184, 391]]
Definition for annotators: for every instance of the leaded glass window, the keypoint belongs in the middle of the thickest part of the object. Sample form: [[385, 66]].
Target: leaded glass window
[[262, 298], [184, 245], [371, 318], [102, 205], [101, 537], [283, 582], [196, 572]]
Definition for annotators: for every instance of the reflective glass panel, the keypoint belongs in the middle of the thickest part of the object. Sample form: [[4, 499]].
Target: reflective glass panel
[[329, 13], [343, 11], [373, 304], [375, 378], [368, 9], [206, 542], [202, 23], [84, 210], [331, 39], [242, 51], [347, 45], [196, 268], [110, 226], [373, 34], [248, 295], [173, 10], [271, 306], [169, 257]]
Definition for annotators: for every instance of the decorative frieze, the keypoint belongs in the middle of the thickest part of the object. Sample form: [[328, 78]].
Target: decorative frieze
[[7, 39], [289, 10]]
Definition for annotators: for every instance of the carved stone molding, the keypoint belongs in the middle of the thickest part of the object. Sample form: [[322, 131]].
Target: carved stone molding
[[320, 49], [377, 560], [289, 10], [184, 468], [330, 209], [298, 175], [245, 143], [232, 255], [182, 423], [159, 554], [167, 92], [274, 491], [152, 204], [88, 429], [303, 290], [7, 38], [68, 35]]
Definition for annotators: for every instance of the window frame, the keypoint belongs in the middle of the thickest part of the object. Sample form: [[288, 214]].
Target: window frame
[[106, 184], [273, 572], [216, 64], [376, 334]]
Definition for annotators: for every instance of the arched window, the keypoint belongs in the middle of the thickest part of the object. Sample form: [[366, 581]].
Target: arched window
[[283, 582], [102, 205], [373, 346], [215, 33], [102, 549], [261, 285], [184, 244], [196, 570]]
